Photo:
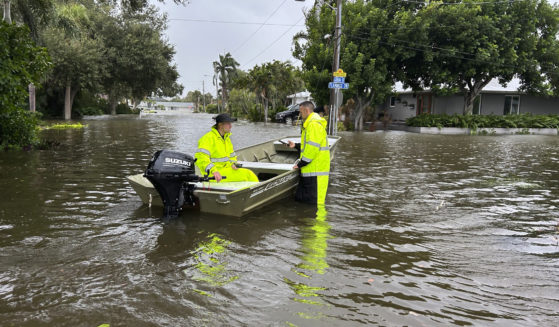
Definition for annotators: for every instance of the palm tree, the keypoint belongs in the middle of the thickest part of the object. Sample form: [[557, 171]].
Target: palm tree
[[225, 69]]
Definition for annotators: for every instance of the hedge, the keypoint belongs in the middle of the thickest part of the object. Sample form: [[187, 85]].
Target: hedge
[[484, 121]]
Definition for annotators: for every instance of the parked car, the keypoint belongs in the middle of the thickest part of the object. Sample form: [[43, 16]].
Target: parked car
[[288, 116]]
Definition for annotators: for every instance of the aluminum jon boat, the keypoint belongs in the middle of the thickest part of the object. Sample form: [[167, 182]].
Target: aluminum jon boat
[[271, 161]]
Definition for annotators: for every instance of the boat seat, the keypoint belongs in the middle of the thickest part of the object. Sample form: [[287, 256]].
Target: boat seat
[[267, 166], [225, 186]]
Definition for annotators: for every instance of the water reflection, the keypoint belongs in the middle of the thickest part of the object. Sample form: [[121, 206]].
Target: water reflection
[[211, 262], [313, 256]]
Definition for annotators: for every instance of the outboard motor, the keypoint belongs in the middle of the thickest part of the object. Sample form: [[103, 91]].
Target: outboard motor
[[172, 174]]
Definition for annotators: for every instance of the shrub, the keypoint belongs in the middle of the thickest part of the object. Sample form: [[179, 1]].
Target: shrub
[[484, 121], [256, 113], [89, 111], [211, 108], [18, 128], [123, 108], [87, 103]]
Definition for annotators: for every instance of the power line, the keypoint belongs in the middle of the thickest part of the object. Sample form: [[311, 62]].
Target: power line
[[424, 50], [228, 22], [425, 45], [274, 42], [260, 27], [475, 3]]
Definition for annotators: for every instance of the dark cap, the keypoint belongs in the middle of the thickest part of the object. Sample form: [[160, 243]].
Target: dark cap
[[319, 109], [224, 118]]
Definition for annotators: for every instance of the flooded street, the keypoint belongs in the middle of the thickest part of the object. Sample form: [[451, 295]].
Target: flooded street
[[421, 230]]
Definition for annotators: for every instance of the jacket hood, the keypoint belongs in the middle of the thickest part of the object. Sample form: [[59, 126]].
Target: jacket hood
[[314, 117]]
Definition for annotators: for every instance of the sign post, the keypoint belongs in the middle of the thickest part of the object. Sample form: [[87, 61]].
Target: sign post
[[337, 84]]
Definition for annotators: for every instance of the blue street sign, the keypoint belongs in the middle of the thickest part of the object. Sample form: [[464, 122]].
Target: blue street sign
[[343, 86], [339, 80]]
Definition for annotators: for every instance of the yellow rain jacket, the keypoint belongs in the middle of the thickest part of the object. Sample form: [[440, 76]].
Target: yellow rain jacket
[[315, 160], [216, 153]]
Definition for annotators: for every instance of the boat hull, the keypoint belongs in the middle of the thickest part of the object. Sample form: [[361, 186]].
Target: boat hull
[[272, 162]]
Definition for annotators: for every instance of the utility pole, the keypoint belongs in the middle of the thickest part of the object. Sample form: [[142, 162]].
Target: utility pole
[[335, 94], [204, 95]]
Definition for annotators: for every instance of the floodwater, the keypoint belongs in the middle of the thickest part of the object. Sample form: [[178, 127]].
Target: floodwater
[[421, 230]]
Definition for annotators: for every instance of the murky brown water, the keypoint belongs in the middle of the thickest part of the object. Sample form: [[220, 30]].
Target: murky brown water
[[420, 231]]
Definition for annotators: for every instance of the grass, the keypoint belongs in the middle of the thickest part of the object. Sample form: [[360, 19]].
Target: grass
[[59, 126]]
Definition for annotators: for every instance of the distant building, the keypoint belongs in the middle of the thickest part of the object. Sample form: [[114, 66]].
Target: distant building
[[166, 105], [299, 97], [494, 99]]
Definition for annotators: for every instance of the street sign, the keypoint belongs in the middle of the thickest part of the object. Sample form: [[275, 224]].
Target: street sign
[[343, 86], [339, 79], [339, 73]]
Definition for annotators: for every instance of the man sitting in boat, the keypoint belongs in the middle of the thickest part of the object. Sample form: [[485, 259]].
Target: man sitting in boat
[[216, 156]]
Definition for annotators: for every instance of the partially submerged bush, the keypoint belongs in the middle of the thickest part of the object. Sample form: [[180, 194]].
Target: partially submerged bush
[[66, 126]]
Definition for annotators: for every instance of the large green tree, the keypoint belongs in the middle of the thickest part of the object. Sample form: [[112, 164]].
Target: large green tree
[[366, 57], [461, 47], [137, 58], [77, 57]]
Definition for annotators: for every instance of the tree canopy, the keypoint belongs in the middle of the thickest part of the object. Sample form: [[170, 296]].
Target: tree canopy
[[115, 49], [446, 46], [21, 62]]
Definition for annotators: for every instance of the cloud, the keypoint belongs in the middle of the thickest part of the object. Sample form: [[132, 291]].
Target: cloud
[[199, 43]]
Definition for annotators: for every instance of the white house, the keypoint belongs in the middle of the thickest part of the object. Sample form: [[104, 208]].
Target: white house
[[299, 97]]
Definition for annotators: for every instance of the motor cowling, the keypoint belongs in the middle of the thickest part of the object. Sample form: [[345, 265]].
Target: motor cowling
[[171, 173]]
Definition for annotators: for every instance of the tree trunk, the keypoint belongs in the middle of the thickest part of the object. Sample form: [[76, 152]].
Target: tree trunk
[[223, 97], [113, 107], [68, 103], [73, 96], [359, 113], [7, 12], [473, 91], [31, 97], [469, 97], [266, 111]]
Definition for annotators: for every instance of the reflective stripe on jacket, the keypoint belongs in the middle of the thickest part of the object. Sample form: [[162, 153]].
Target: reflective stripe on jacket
[[214, 152], [315, 151]]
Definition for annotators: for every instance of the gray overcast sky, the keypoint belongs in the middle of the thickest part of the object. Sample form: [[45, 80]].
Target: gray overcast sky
[[198, 44]]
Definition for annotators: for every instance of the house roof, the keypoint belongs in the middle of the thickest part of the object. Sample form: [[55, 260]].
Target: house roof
[[492, 87], [303, 94]]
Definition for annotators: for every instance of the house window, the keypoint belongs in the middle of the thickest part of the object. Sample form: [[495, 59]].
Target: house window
[[392, 102], [512, 105], [477, 105], [423, 103]]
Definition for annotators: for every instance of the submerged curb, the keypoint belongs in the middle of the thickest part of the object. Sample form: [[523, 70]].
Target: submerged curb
[[479, 131]]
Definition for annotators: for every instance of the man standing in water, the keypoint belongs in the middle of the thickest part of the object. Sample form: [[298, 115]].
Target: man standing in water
[[314, 160], [216, 157]]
